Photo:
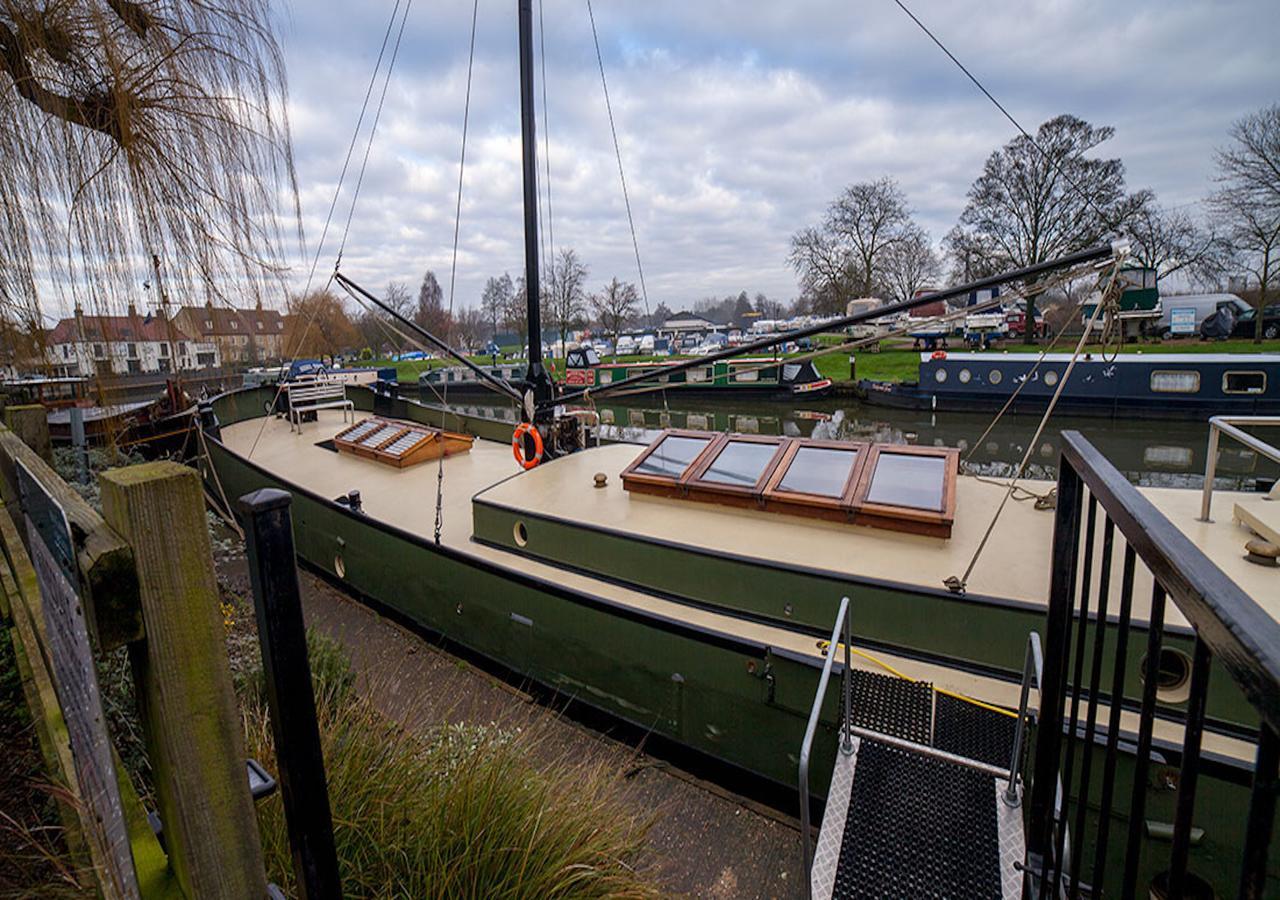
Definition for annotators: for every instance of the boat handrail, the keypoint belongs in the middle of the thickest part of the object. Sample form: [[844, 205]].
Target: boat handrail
[[1032, 667], [1228, 425], [846, 745]]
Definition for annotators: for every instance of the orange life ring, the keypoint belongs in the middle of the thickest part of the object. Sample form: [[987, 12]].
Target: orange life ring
[[939, 354], [517, 445]]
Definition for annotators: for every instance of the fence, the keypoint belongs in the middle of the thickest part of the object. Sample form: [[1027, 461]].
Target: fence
[[140, 575], [1229, 627]]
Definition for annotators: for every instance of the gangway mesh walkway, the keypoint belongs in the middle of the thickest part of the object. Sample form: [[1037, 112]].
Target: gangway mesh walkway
[[916, 810]]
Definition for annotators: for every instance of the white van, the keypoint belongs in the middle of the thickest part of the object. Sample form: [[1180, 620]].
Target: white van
[[626, 345], [1203, 306], [647, 344]]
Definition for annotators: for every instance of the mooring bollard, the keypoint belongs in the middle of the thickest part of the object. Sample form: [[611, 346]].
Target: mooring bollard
[[282, 636], [79, 444]]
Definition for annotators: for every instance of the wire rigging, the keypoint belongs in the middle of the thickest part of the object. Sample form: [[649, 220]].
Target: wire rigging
[[617, 151], [1107, 220], [453, 262], [337, 192], [550, 256]]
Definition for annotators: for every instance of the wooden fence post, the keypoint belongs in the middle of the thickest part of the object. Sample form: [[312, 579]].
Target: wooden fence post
[[193, 730], [31, 423]]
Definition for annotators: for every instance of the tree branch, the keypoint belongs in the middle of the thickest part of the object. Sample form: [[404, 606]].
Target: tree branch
[[96, 111]]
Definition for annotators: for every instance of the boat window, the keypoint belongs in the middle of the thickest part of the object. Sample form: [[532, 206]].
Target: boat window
[[1244, 382], [790, 371], [1050, 378], [995, 376], [821, 471], [700, 375], [671, 455], [747, 375], [910, 480], [940, 375], [740, 463], [964, 376], [903, 488], [1175, 382]]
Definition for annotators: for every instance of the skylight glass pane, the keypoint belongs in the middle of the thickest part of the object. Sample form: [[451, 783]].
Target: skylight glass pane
[[740, 463], [903, 479], [672, 456], [819, 470]]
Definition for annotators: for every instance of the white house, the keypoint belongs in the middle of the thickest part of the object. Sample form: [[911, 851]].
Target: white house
[[119, 345]]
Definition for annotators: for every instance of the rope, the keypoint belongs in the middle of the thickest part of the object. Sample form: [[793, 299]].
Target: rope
[[617, 151], [957, 585], [337, 192], [825, 646], [453, 263]]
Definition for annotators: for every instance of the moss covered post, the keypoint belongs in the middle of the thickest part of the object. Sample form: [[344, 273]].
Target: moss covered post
[[31, 423], [193, 730]]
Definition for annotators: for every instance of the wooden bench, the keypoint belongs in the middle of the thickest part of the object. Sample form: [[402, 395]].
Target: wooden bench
[[312, 396]]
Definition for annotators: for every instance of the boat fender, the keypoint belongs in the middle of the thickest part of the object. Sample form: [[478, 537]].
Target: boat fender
[[939, 354], [517, 445]]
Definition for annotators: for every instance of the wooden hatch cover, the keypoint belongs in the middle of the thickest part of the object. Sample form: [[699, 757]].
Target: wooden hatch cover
[[399, 444]]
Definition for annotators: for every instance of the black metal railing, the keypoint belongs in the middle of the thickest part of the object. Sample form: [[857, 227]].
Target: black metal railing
[[1090, 638]]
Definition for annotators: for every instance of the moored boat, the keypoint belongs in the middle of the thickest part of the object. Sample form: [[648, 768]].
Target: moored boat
[[1158, 385]]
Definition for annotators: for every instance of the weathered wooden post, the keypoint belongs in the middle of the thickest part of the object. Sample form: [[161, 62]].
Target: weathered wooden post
[[277, 599], [30, 422], [194, 738]]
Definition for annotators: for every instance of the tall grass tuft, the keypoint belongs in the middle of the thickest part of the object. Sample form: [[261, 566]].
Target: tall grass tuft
[[462, 811]]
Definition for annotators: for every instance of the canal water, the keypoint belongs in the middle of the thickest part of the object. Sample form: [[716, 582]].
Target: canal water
[[1149, 452]]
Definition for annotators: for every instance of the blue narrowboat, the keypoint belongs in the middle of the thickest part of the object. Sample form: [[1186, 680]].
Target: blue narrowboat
[[1153, 385]]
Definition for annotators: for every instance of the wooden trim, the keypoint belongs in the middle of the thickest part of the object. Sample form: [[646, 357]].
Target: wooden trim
[[903, 518], [669, 484], [715, 491], [817, 505]]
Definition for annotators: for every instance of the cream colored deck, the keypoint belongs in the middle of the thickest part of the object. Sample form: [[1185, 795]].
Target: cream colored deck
[[1015, 565]]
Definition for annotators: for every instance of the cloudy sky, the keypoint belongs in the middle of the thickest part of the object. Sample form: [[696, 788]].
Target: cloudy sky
[[739, 121]]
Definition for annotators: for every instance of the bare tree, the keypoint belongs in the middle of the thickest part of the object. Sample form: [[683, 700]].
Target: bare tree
[[398, 298], [469, 328], [566, 297], [909, 265], [1170, 241], [331, 330], [133, 128], [1031, 205], [840, 259], [615, 306], [430, 313], [495, 300], [1247, 203], [515, 316]]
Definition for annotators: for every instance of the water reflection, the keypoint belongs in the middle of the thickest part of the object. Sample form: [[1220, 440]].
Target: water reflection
[[1148, 452]]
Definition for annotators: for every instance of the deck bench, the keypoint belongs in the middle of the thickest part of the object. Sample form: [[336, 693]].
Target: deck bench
[[314, 396]]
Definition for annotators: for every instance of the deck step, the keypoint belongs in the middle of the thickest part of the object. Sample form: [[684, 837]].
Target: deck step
[[903, 824], [916, 810]]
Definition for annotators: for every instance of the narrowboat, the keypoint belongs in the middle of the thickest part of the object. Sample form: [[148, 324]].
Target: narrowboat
[[1147, 385], [743, 376]]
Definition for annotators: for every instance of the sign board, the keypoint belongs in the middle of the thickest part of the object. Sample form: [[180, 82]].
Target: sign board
[[75, 680], [1182, 320]]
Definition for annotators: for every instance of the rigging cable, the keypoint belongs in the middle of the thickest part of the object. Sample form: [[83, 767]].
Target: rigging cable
[[333, 204], [617, 151], [546, 149], [957, 585], [1106, 220], [453, 263]]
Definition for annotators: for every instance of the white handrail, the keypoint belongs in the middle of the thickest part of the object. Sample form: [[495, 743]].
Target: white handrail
[[1227, 425]]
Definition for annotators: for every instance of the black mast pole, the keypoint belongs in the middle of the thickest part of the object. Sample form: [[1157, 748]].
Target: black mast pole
[[538, 380]]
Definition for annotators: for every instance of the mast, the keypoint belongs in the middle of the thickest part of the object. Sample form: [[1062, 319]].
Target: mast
[[538, 380]]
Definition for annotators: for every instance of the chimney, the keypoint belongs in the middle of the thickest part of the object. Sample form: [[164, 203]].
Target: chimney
[[258, 305], [133, 310]]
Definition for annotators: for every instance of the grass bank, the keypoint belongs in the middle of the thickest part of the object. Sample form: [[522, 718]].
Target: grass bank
[[457, 811]]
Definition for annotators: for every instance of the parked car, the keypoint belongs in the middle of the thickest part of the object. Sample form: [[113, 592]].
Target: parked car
[[1016, 319], [1244, 327]]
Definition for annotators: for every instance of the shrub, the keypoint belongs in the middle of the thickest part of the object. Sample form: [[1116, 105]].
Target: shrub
[[462, 811]]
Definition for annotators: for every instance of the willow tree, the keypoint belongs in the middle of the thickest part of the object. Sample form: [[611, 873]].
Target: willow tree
[[141, 141]]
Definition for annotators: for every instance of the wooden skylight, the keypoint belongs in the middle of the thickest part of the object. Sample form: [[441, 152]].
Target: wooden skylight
[[903, 488], [399, 444]]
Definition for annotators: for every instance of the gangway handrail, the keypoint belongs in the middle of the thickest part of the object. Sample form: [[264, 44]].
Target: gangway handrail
[[846, 746], [1219, 425], [1032, 667]]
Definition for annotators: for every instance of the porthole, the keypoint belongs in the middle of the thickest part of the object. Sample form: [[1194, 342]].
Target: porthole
[[965, 376], [1173, 677], [995, 377], [1050, 378], [339, 567], [521, 534], [940, 376]]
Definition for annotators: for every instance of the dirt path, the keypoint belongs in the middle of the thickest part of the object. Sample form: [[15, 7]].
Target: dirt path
[[706, 842]]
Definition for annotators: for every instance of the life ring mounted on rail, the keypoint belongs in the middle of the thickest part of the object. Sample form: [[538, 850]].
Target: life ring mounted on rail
[[517, 445]]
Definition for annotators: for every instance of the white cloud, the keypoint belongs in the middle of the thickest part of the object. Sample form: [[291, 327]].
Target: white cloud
[[740, 121]]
